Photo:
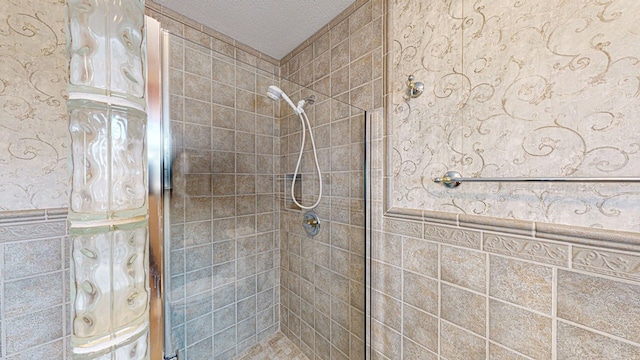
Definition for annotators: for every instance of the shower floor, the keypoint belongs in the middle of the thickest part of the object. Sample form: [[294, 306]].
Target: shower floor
[[276, 347]]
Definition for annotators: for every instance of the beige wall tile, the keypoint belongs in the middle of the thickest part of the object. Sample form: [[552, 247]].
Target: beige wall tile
[[322, 44], [360, 71], [421, 292], [499, 353], [420, 327], [340, 81], [223, 72], [463, 308], [520, 330], [340, 32], [340, 55], [522, 283], [364, 40], [199, 111], [321, 66], [457, 344], [389, 342], [602, 304], [462, 267], [197, 62], [576, 344], [340, 133], [360, 17], [197, 87], [413, 351], [420, 256]]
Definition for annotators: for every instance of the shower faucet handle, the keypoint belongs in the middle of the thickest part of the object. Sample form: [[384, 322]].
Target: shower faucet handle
[[311, 221]]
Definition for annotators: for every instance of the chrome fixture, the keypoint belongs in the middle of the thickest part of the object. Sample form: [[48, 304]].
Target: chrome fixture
[[416, 88], [311, 223], [309, 100], [275, 93], [453, 179]]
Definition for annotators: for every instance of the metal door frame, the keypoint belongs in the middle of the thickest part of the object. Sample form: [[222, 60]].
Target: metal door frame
[[159, 164]]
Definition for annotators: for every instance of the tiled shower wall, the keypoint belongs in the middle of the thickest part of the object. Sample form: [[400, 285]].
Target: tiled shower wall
[[224, 214], [322, 292], [451, 284]]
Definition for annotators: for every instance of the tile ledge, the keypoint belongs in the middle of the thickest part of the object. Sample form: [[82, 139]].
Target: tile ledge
[[32, 215], [579, 235]]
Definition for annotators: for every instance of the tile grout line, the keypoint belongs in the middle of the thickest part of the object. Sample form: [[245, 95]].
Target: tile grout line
[[66, 289], [3, 328], [487, 290], [554, 315], [439, 347]]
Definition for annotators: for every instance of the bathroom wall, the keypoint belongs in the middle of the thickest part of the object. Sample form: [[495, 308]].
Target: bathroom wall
[[34, 246], [33, 181], [33, 154], [517, 272], [521, 90], [322, 292]]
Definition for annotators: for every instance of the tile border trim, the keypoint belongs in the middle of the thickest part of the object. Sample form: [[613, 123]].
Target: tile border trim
[[28, 216], [577, 235]]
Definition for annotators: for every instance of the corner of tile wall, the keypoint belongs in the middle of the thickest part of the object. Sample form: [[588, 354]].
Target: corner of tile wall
[[185, 27]]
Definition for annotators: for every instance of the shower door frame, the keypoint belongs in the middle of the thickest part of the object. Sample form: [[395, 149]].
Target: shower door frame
[[158, 161]]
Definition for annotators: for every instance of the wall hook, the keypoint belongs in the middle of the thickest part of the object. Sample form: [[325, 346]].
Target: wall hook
[[415, 88]]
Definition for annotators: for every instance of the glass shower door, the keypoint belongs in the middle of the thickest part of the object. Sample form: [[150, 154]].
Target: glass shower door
[[222, 208], [240, 266]]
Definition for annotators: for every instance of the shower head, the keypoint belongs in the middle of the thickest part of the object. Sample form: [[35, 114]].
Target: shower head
[[275, 93]]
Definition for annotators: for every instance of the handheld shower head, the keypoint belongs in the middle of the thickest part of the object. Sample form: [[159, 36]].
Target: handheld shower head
[[275, 93]]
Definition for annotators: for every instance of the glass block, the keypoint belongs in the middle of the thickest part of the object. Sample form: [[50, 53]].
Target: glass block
[[108, 158], [137, 348], [105, 46], [109, 286]]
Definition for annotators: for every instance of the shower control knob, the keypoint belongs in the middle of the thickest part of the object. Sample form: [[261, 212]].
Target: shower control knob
[[311, 223]]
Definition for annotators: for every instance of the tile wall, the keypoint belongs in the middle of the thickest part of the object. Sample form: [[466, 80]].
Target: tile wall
[[34, 247], [34, 256], [34, 310], [224, 214], [460, 293], [504, 100], [322, 292], [450, 284], [33, 119]]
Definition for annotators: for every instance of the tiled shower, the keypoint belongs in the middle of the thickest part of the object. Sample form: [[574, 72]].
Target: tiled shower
[[572, 289], [224, 209], [242, 266]]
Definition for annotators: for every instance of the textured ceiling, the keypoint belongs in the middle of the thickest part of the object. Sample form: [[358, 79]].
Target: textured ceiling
[[274, 27]]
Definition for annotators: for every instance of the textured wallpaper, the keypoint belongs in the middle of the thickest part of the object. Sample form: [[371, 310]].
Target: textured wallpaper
[[518, 88], [33, 132]]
